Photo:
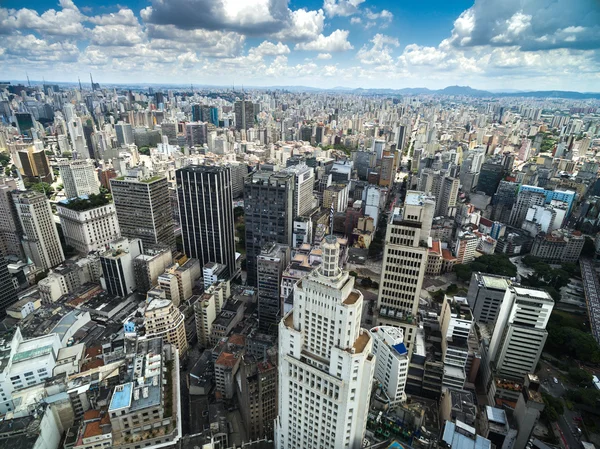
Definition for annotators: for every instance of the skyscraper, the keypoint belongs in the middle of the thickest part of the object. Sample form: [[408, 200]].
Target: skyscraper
[[117, 266], [144, 208], [404, 264], [520, 332], [35, 165], [269, 214], [206, 214], [271, 263], [10, 226], [489, 178], [79, 177], [124, 133], [391, 357], [40, 237], [326, 366], [304, 200], [244, 114], [196, 133], [8, 294]]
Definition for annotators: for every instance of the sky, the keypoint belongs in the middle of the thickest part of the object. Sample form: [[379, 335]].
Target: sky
[[485, 44]]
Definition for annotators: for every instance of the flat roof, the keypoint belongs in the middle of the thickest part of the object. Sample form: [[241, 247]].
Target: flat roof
[[32, 353], [121, 397], [534, 293], [497, 283]]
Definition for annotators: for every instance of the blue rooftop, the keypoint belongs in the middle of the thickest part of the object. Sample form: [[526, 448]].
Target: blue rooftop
[[121, 397], [400, 348]]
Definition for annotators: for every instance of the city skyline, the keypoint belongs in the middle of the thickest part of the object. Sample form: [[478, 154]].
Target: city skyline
[[349, 43]]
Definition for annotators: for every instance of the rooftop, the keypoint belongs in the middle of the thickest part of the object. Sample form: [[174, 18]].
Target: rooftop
[[361, 342], [495, 282], [121, 397], [352, 298]]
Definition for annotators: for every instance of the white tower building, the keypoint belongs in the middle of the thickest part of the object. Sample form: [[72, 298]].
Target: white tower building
[[79, 177], [326, 366], [391, 369]]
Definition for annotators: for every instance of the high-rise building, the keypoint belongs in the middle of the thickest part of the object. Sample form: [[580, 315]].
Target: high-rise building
[[326, 366], [25, 123], [8, 294], [79, 177], [196, 133], [269, 214], [144, 209], [446, 201], [206, 214], [489, 178], [486, 293], [304, 200], [520, 332], [525, 200], [35, 166], [118, 276], [87, 226], [124, 133], [404, 264], [40, 236], [163, 319], [10, 226], [391, 356], [270, 264], [244, 114]]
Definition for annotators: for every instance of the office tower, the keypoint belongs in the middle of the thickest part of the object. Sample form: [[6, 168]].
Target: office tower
[[257, 395], [270, 265], [269, 214], [489, 178], [118, 276], [404, 264], [87, 226], [558, 246], [326, 366], [400, 137], [206, 309], [391, 362], [148, 266], [377, 148], [169, 130], [124, 133], [40, 237], [35, 165], [465, 247], [304, 200], [455, 326], [520, 332], [504, 200], [206, 214], [78, 143], [319, 133], [10, 226], [485, 296], [79, 177], [239, 171], [144, 209], [446, 201], [387, 173], [25, 124], [244, 114], [196, 133], [214, 116], [196, 112], [163, 319], [525, 200], [8, 294], [364, 161]]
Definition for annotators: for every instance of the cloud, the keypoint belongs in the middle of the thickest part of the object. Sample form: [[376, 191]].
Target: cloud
[[355, 20], [64, 23], [380, 52], [341, 7], [335, 42], [116, 35], [384, 14], [533, 25], [124, 16], [305, 25], [267, 48], [324, 56]]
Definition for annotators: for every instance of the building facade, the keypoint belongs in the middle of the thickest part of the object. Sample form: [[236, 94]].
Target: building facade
[[79, 177], [391, 356]]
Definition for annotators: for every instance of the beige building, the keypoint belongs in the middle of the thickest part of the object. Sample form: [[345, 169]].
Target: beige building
[[404, 264], [163, 319], [207, 307], [79, 177]]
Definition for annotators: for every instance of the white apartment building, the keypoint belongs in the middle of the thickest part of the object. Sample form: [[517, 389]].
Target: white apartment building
[[326, 366], [455, 326], [206, 309], [391, 367], [163, 319], [40, 237], [79, 177], [88, 229], [404, 264], [520, 332]]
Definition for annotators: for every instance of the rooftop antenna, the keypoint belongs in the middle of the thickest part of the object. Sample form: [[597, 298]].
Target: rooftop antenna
[[92, 81], [80, 88], [28, 82]]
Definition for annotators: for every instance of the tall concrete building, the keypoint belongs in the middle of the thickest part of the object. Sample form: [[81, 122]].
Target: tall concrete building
[[118, 276], [163, 319], [8, 294], [326, 366], [520, 332], [485, 296], [446, 201], [40, 237], [525, 200], [269, 214], [34, 165], [144, 209], [244, 114], [86, 226], [271, 263], [124, 133], [391, 356], [10, 226], [404, 264], [196, 133], [304, 200], [79, 177], [206, 214]]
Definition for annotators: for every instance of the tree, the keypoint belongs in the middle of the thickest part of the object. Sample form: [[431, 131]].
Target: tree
[[588, 248], [463, 272], [144, 150], [4, 159], [580, 377], [238, 212], [43, 187]]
